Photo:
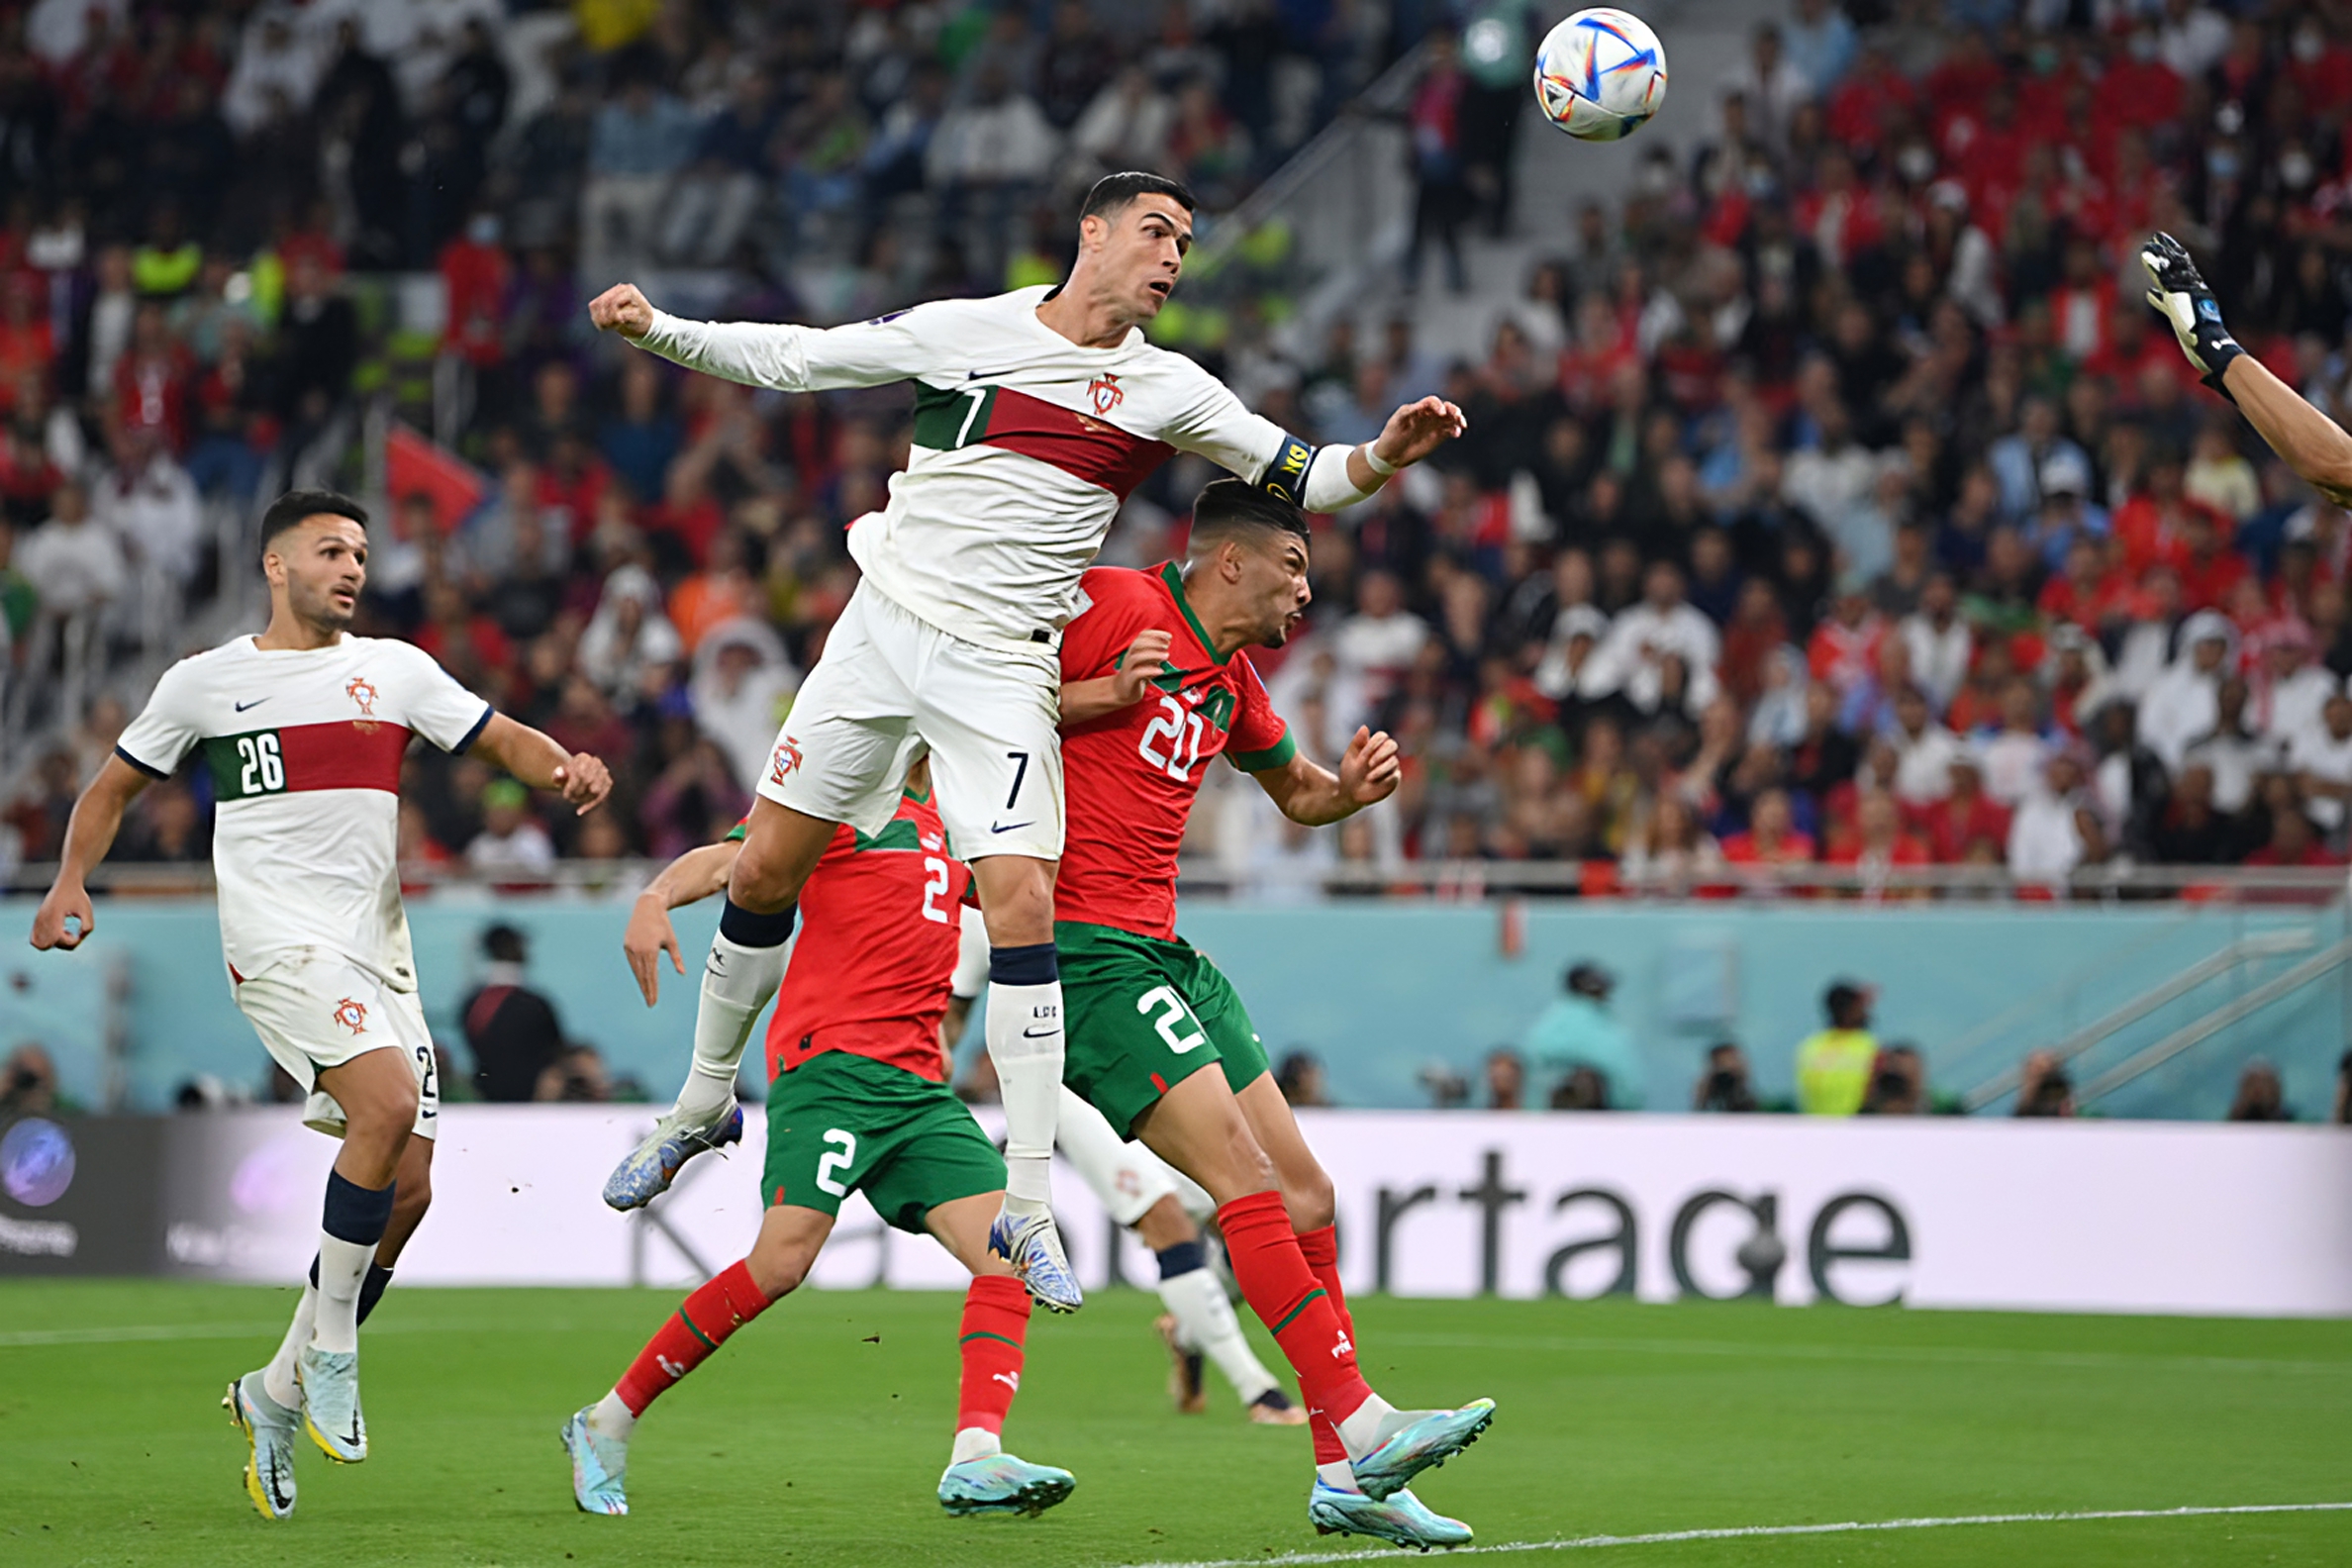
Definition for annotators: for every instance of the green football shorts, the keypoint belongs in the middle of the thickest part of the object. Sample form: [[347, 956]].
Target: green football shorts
[[839, 1123], [1141, 1014]]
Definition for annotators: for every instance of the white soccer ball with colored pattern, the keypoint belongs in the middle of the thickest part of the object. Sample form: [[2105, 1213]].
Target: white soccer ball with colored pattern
[[1601, 74]]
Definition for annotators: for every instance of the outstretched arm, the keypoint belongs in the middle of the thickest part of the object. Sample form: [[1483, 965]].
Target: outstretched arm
[[2312, 445], [689, 879], [1087, 699], [540, 762], [1314, 795], [97, 818], [774, 354], [1411, 433]]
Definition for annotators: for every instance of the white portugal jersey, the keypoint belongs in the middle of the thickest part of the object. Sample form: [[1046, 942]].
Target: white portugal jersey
[[303, 748], [1024, 445]]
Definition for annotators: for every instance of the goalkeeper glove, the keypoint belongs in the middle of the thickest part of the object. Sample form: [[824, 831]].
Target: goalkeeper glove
[[2190, 306]]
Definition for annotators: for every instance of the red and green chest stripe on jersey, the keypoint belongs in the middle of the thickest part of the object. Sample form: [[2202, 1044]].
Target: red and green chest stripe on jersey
[[949, 419], [345, 753]]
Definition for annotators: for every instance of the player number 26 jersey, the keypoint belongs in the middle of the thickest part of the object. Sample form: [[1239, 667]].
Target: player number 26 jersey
[[1131, 776], [303, 749]]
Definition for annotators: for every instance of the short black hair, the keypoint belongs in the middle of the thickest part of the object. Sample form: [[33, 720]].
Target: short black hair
[[289, 510], [1112, 192], [503, 943], [1226, 507]]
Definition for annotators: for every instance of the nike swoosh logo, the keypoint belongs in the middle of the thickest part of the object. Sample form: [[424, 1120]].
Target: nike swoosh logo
[[985, 375], [255, 702], [997, 828], [1031, 1034]]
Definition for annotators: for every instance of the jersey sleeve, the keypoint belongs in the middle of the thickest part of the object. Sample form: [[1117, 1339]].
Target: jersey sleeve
[[167, 727], [433, 702], [1261, 740], [1214, 424], [789, 358]]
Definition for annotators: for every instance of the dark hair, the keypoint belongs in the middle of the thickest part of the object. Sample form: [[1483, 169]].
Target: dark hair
[[1226, 507], [290, 510], [1112, 192], [503, 943]]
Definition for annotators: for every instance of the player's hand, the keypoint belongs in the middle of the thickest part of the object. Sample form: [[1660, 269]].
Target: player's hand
[[648, 936], [584, 781], [1141, 665], [1370, 771], [66, 901], [621, 309], [1417, 430], [2181, 293]]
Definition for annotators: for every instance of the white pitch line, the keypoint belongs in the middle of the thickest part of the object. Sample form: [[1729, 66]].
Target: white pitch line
[[1760, 1532]]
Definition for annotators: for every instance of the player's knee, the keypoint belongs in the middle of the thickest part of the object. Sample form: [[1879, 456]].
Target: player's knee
[[1309, 1200], [1016, 900], [763, 883], [1165, 1224], [778, 1270]]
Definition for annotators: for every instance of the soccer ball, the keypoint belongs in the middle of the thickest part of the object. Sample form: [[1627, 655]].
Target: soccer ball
[[1601, 74]]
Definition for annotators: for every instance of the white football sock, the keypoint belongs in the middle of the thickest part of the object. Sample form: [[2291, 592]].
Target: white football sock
[[343, 1267], [1025, 1041], [975, 1442], [1338, 1475], [610, 1417], [1205, 1321], [1374, 1422], [277, 1379], [738, 984]]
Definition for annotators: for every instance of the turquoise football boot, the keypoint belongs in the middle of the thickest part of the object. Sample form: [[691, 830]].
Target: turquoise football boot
[[599, 1466], [1422, 1444], [1400, 1519], [1003, 1484]]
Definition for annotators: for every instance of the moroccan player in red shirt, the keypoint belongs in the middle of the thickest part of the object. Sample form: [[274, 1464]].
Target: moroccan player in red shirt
[[858, 1102], [1154, 686]]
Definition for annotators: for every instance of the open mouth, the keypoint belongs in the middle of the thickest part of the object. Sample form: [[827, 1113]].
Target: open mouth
[[1160, 288]]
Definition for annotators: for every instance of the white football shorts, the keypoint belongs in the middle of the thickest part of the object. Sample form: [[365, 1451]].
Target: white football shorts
[[891, 685], [1128, 1177], [322, 1011]]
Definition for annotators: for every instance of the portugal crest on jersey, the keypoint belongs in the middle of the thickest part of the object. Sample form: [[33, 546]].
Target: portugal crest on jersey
[[352, 1015], [1104, 389], [360, 692], [784, 759]]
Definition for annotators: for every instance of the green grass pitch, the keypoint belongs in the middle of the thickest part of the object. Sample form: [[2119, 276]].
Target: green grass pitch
[[816, 1437]]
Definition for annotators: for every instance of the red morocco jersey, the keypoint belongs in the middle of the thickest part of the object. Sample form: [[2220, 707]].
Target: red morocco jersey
[[879, 932], [1131, 776], [304, 750]]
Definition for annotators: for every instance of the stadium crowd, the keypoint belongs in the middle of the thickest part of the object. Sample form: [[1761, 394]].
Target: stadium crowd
[[1832, 498]]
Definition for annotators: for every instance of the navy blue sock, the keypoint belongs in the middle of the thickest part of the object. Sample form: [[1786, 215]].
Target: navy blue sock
[[1036, 964], [355, 1214], [371, 1289], [1182, 1258], [748, 929]]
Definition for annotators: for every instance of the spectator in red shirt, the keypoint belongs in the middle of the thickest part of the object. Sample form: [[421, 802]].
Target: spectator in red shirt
[[151, 379], [1771, 839], [1880, 843], [1844, 649], [1965, 817]]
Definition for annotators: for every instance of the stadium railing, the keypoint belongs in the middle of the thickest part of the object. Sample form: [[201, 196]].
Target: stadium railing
[[1444, 879]]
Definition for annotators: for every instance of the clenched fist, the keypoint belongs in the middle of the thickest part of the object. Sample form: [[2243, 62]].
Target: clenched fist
[[623, 310]]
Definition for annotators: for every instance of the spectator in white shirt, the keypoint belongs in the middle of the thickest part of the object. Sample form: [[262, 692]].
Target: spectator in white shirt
[[2231, 750], [1770, 84], [743, 679], [1377, 644], [2290, 686], [73, 563], [2180, 704], [2056, 827], [1662, 626], [2322, 763], [1939, 642], [2015, 755], [1576, 632], [1829, 480], [510, 838], [1924, 748]]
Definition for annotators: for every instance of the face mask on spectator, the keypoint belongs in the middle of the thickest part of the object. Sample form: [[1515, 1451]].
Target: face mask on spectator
[[2295, 168], [2309, 45], [2222, 162]]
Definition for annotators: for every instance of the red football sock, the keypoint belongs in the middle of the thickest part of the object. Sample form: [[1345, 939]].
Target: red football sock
[[1321, 1248], [996, 1318], [700, 1325], [1273, 1275]]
